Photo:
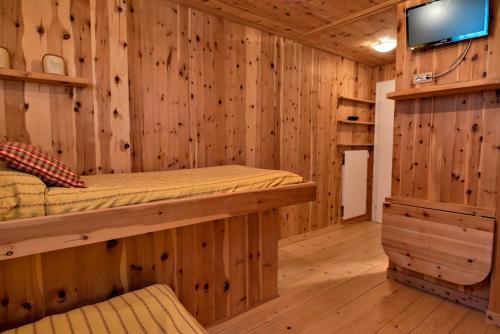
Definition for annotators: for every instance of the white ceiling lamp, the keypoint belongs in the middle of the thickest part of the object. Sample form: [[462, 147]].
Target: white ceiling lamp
[[385, 46]]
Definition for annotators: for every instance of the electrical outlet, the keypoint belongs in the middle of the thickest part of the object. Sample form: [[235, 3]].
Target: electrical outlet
[[422, 78]]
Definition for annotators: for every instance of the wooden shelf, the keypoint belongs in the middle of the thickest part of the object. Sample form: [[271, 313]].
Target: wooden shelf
[[462, 87], [356, 122], [359, 145], [42, 78], [355, 99]]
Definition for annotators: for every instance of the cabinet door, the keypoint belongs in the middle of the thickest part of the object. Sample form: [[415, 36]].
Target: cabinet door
[[354, 183]]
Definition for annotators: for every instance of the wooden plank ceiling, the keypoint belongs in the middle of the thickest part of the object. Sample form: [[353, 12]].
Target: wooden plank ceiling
[[344, 27]]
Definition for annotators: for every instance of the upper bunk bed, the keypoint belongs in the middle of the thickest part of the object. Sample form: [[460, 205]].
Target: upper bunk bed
[[121, 205]]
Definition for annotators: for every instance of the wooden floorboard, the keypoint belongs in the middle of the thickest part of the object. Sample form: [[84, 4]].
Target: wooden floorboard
[[334, 281]]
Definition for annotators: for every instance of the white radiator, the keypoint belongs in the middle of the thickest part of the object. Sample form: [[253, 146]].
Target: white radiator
[[354, 183]]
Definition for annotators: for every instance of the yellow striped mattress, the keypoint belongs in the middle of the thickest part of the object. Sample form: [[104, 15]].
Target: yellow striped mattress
[[21, 195], [154, 309], [114, 190]]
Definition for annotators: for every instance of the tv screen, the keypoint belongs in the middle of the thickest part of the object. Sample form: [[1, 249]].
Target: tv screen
[[446, 21]]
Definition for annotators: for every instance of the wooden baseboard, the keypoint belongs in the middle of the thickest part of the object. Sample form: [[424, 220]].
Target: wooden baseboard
[[493, 318], [440, 290], [360, 219]]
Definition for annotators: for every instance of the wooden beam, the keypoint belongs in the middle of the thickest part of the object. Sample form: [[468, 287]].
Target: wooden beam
[[23, 237], [355, 17]]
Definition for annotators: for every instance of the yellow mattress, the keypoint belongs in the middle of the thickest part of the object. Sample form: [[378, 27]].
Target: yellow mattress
[[154, 309], [21, 195], [113, 190]]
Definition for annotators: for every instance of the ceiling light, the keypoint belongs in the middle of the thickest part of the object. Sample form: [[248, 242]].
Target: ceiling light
[[385, 45]]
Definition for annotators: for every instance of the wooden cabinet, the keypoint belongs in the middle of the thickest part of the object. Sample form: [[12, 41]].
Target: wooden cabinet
[[454, 246]]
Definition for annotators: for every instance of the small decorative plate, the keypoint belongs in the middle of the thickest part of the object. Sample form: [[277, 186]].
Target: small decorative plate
[[4, 58], [53, 64]]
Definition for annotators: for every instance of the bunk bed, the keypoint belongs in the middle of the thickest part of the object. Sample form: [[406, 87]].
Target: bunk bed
[[132, 210], [122, 205]]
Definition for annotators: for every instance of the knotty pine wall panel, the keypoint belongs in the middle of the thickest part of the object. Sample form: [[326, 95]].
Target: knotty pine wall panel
[[385, 72], [87, 128], [446, 148], [174, 87]]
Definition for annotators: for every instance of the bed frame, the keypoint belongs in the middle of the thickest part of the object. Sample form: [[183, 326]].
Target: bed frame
[[218, 252]]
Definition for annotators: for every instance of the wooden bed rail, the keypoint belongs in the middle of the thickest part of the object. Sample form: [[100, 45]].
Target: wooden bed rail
[[443, 206], [48, 233]]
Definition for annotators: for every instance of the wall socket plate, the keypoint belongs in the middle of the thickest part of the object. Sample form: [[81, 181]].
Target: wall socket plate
[[422, 78]]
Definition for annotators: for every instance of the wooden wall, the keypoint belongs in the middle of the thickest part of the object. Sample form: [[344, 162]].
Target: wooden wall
[[88, 128], [172, 87], [446, 148], [385, 72], [175, 88]]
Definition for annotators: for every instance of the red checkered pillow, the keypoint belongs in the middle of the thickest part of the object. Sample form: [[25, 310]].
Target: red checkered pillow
[[32, 160]]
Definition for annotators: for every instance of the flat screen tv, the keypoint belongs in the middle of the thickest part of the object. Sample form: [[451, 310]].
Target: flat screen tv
[[446, 21]]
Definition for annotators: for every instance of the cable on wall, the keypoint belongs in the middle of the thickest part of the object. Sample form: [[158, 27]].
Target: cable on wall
[[455, 63]]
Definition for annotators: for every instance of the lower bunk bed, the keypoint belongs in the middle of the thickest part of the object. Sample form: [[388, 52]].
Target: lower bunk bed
[[210, 234], [152, 310]]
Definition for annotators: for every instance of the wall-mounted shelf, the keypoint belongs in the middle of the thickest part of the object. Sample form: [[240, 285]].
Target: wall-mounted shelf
[[358, 145], [462, 87], [355, 99], [42, 78], [355, 122]]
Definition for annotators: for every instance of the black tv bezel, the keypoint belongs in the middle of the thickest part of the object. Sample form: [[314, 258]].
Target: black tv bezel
[[448, 40]]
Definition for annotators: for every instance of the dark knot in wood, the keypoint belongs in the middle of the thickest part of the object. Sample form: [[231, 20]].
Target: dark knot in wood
[[27, 305], [61, 294], [111, 244]]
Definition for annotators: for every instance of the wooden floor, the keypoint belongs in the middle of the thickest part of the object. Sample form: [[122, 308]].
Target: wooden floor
[[334, 281]]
